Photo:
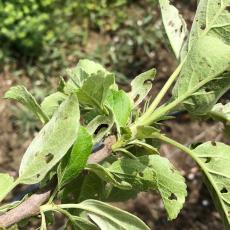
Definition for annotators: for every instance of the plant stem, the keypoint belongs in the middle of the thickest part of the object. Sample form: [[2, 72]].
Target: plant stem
[[163, 91]]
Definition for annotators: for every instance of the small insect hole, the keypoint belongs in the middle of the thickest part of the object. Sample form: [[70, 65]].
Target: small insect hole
[[100, 127], [227, 8], [223, 190], [172, 197], [49, 157], [141, 174], [38, 175], [202, 27], [208, 159], [136, 98], [213, 143]]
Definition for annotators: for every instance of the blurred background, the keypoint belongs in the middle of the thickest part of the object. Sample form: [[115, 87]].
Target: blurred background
[[39, 39]]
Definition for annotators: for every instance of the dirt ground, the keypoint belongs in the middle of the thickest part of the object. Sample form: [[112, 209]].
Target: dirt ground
[[198, 212]]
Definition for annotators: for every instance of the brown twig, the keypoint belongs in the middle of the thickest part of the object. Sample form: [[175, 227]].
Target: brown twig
[[31, 206]]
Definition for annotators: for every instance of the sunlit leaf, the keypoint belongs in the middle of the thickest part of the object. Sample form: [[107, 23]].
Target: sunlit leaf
[[157, 173], [51, 143], [175, 26], [51, 103], [109, 217], [6, 183], [120, 105], [214, 160], [21, 94], [220, 112], [207, 62], [107, 176], [141, 86], [74, 162]]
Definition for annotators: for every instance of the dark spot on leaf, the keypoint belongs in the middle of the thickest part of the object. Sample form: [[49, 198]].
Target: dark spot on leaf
[[136, 98], [181, 29], [172, 197], [207, 90], [208, 159], [176, 31], [65, 117], [213, 143], [141, 174], [171, 23], [148, 81], [100, 127], [227, 8], [38, 175], [49, 157], [202, 27], [223, 190]]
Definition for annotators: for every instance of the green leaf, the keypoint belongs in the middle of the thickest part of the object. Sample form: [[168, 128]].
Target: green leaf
[[107, 176], [214, 158], [74, 162], [80, 223], [92, 187], [95, 89], [141, 86], [205, 71], [6, 185], [221, 112], [100, 126], [51, 143], [108, 217], [120, 104], [212, 18], [83, 69], [51, 103], [21, 94], [157, 173], [207, 63], [175, 26]]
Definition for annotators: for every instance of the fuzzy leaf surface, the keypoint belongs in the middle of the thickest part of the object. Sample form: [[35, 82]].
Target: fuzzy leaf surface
[[120, 105], [107, 176], [215, 158], [208, 52], [156, 173], [51, 103], [6, 182], [51, 143], [175, 26], [221, 112], [109, 217], [74, 162], [22, 95], [141, 85]]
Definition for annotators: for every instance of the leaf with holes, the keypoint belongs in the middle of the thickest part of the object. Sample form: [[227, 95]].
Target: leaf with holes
[[206, 70], [74, 161], [21, 94], [157, 173], [120, 105], [214, 158], [175, 26], [109, 217], [51, 143], [107, 176], [220, 112], [51, 103], [100, 126], [141, 86], [6, 185]]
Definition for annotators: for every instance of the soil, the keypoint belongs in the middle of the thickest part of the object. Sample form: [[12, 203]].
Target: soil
[[198, 212]]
